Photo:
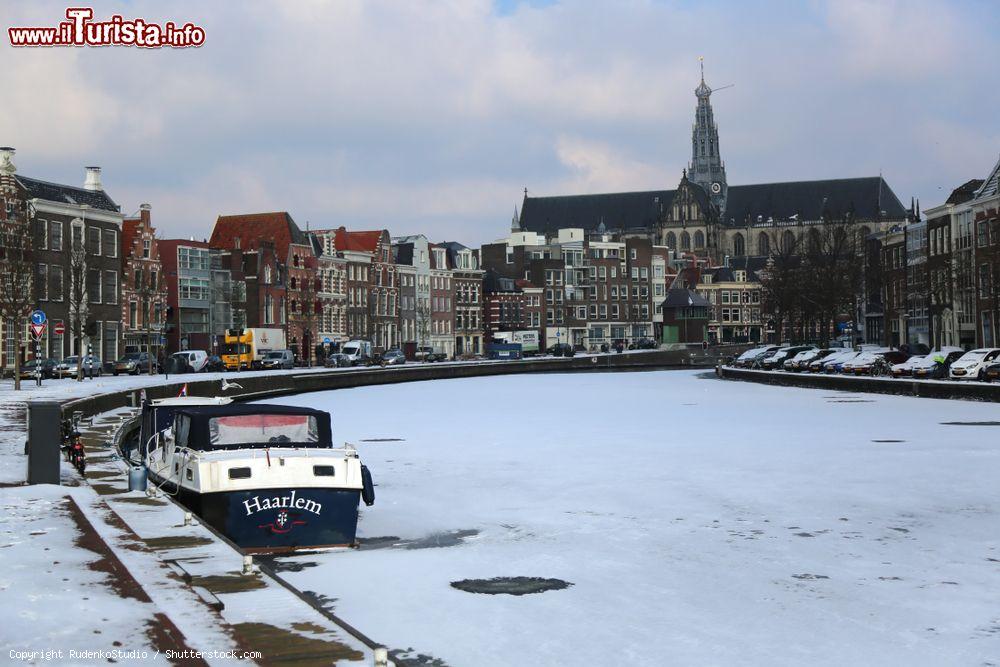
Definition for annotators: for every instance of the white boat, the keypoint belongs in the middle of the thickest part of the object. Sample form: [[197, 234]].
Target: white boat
[[266, 476]]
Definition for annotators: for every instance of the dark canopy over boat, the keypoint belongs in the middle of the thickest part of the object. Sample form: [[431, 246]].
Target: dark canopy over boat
[[251, 426]]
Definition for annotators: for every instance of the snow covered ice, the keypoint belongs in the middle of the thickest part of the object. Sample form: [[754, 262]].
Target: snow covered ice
[[699, 521]]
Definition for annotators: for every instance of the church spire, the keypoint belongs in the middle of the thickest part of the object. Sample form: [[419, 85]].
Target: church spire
[[706, 168]]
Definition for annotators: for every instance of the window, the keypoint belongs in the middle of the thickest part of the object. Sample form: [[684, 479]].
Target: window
[[133, 310], [93, 241], [55, 235], [198, 259], [55, 283], [42, 282], [614, 311], [111, 287], [146, 248], [644, 273], [110, 243], [109, 348], [94, 285], [42, 235], [196, 289], [239, 473], [323, 471], [633, 254]]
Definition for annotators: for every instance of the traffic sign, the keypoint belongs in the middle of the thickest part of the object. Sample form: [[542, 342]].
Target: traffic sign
[[38, 317], [37, 330], [326, 339], [59, 328]]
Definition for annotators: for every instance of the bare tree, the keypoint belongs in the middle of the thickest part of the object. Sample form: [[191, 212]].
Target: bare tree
[[781, 287], [423, 321], [17, 279], [77, 294]]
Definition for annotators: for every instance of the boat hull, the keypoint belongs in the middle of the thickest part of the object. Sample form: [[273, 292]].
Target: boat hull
[[278, 520]]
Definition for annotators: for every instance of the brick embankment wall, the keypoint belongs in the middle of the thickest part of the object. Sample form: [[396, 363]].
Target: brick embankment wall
[[261, 386]]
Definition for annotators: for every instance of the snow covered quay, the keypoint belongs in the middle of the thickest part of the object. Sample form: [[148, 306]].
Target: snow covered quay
[[667, 517]]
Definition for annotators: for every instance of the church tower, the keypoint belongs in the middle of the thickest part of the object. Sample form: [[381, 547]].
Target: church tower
[[707, 168]]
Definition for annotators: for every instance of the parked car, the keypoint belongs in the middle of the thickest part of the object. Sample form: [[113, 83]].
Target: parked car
[[132, 363], [972, 365], [992, 372], [801, 361], [276, 359], [194, 360], [835, 363], [937, 364], [562, 350], [775, 361], [878, 363], [645, 344], [746, 359], [45, 366], [431, 357], [394, 357], [90, 367], [214, 364], [905, 368], [337, 360]]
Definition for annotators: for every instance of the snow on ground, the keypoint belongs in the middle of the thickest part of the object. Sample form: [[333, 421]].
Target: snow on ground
[[700, 521]]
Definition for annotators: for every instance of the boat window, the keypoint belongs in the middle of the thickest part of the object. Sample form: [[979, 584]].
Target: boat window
[[255, 429], [323, 471], [239, 473], [183, 428], [189, 475]]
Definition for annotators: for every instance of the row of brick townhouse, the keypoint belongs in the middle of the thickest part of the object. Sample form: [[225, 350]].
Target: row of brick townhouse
[[596, 288], [932, 281]]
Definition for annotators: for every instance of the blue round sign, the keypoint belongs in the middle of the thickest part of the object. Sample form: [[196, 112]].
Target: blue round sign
[[38, 317], [326, 339]]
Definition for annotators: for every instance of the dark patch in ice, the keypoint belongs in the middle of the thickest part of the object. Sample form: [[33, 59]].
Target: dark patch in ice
[[890, 578], [888, 440], [843, 518], [809, 576], [851, 400], [377, 542], [899, 530], [432, 541], [510, 585], [950, 583], [804, 535], [383, 440], [279, 565], [970, 423], [409, 658], [435, 540]]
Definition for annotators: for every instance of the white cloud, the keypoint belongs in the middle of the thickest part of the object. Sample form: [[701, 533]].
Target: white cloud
[[438, 113]]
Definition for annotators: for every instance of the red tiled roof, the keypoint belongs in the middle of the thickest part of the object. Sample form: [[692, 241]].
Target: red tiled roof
[[252, 228], [366, 241]]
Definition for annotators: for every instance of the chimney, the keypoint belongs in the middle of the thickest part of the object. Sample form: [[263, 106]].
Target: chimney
[[144, 210], [7, 160], [93, 181]]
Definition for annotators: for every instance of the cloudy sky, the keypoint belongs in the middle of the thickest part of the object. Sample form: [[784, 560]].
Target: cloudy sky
[[434, 116]]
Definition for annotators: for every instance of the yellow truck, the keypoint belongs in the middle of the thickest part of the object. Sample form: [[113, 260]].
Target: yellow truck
[[244, 349]]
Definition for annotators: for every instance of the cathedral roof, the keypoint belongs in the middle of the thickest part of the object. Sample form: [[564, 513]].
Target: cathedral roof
[[776, 201], [867, 198]]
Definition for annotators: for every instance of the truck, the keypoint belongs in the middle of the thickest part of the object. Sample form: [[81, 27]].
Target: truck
[[245, 348], [358, 352], [528, 339]]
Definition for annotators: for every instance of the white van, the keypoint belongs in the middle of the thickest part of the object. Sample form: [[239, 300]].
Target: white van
[[358, 352], [196, 359]]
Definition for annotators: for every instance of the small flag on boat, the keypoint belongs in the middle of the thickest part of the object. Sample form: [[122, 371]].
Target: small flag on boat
[[183, 391]]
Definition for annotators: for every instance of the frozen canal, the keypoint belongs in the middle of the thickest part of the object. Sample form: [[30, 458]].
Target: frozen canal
[[699, 521]]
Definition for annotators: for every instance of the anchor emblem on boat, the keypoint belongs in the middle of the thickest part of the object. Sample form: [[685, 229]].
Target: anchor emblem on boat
[[282, 523]]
